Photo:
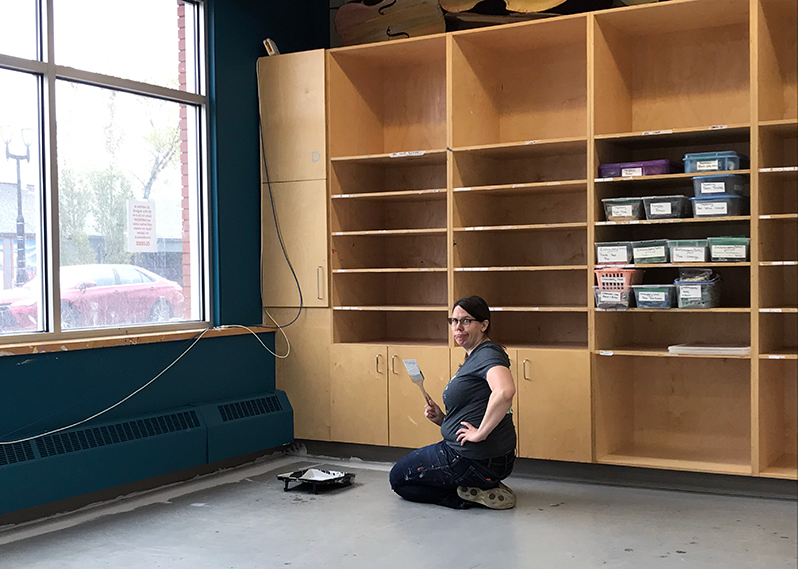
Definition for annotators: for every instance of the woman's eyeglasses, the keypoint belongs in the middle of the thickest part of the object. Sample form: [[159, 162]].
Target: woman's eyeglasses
[[464, 321]]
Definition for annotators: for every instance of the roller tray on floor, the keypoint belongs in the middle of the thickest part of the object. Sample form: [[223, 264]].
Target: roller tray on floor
[[316, 477]]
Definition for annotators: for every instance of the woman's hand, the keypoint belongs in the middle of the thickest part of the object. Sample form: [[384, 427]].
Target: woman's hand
[[470, 433], [433, 412]]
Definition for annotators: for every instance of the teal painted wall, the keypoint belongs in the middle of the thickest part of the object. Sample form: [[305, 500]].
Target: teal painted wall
[[45, 391]]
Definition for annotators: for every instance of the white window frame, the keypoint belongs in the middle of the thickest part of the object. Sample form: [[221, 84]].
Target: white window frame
[[49, 73]]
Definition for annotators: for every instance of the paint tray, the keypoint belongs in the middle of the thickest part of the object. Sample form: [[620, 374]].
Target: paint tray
[[317, 477]]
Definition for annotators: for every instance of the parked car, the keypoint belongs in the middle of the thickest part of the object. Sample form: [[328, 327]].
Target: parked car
[[97, 295]]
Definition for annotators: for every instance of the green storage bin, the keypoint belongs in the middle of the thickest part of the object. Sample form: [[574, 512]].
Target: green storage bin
[[652, 251], [729, 249]]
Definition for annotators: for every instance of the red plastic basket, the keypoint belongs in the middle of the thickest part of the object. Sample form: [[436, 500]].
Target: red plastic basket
[[611, 278]]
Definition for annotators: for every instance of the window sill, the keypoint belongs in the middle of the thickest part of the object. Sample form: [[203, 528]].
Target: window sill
[[69, 345]]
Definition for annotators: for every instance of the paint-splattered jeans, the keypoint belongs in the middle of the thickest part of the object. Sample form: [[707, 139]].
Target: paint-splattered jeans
[[432, 474]]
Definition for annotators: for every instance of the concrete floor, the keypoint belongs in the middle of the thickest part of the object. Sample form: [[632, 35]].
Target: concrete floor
[[242, 518]]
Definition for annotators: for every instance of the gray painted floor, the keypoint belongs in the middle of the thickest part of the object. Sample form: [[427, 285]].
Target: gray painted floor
[[242, 518]]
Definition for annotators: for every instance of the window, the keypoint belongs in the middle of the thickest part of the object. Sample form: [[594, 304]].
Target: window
[[102, 180]]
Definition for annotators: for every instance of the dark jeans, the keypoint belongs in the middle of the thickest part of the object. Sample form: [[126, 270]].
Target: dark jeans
[[432, 474]]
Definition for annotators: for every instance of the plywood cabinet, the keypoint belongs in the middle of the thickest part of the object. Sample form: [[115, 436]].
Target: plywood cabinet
[[373, 400], [301, 209], [553, 419], [467, 163]]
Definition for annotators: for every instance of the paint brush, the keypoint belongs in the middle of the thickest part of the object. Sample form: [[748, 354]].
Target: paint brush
[[416, 376]]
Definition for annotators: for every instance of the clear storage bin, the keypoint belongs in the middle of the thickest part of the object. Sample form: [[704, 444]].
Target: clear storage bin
[[612, 299], [665, 207], [619, 209], [719, 185], [644, 168], [729, 249], [688, 250], [614, 253], [714, 161], [698, 294], [719, 206], [652, 251], [655, 296]]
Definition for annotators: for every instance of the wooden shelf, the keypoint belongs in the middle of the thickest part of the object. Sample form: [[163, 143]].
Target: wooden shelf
[[413, 157], [394, 308], [709, 134], [708, 264], [522, 268], [523, 189], [531, 227], [669, 177], [725, 219], [538, 308], [680, 310], [391, 270], [381, 232], [780, 216], [439, 193], [782, 467], [661, 353], [778, 263], [525, 149], [665, 458]]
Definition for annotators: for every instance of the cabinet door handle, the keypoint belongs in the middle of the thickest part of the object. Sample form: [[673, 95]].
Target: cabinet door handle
[[523, 369], [319, 279], [377, 363], [393, 367]]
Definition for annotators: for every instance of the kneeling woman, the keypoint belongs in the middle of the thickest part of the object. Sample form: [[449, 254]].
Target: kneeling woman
[[478, 446]]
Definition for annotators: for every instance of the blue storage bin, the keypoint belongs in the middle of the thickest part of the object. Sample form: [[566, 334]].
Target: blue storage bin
[[719, 184], [714, 161]]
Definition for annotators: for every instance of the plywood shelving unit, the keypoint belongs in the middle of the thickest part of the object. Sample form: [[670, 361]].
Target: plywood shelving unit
[[467, 163]]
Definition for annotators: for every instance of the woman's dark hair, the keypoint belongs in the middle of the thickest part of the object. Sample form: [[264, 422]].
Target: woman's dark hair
[[476, 307]]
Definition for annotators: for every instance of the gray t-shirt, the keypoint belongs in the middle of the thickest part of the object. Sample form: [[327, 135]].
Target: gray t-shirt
[[466, 399]]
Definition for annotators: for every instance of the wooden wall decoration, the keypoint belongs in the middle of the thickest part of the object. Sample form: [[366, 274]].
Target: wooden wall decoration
[[366, 21]]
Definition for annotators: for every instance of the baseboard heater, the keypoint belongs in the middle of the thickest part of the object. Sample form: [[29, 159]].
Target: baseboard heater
[[97, 456]]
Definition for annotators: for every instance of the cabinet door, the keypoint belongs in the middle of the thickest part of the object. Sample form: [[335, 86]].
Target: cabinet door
[[302, 213], [305, 374], [554, 399], [359, 394], [291, 90], [407, 426]]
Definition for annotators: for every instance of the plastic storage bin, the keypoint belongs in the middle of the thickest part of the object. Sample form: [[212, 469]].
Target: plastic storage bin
[[614, 253], [611, 278], [714, 161], [664, 207], [655, 296], [719, 185], [698, 294], [618, 209], [688, 250], [728, 249], [645, 168], [653, 251], [719, 206], [612, 299]]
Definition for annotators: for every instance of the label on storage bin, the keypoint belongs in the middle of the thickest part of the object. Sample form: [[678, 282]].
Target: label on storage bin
[[728, 251], [661, 208], [621, 211], [688, 254], [713, 187], [652, 296], [649, 252], [609, 296], [612, 254], [690, 291], [612, 280], [631, 171], [718, 208], [407, 153], [706, 165]]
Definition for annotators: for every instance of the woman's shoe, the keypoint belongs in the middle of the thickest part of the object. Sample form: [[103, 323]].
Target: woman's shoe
[[499, 498]]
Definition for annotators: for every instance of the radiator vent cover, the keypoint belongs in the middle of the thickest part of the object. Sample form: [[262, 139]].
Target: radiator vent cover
[[73, 441], [250, 408], [18, 452]]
